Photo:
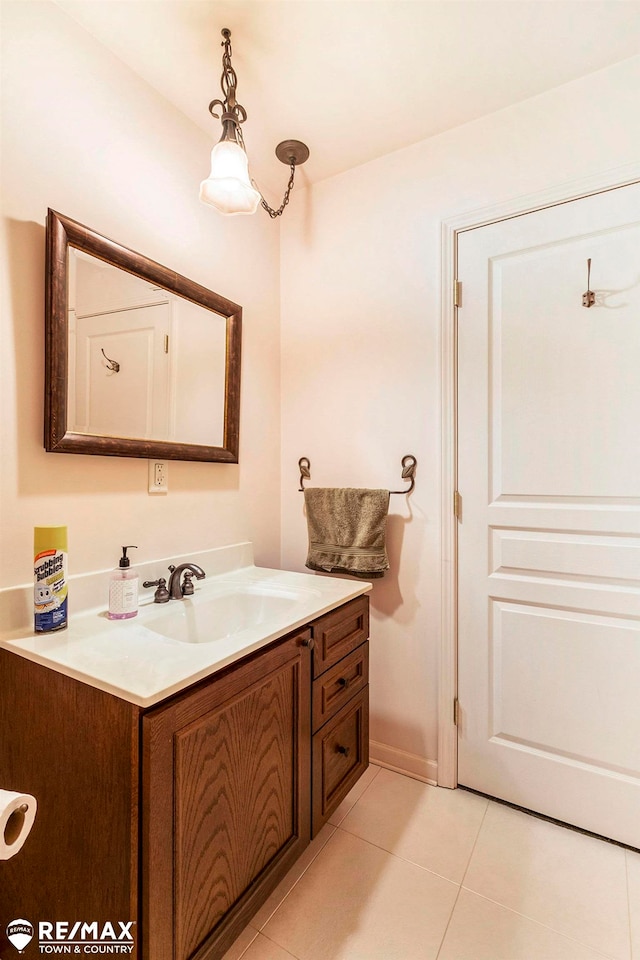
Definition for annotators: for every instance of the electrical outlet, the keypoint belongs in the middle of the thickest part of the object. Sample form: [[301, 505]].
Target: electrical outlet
[[158, 476]]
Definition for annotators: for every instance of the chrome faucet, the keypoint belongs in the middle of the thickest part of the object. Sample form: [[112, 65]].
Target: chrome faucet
[[175, 588]]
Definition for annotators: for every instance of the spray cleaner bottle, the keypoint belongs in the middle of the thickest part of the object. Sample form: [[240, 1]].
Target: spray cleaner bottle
[[50, 578]]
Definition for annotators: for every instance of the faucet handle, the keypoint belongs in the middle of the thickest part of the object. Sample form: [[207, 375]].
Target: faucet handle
[[187, 584], [162, 594]]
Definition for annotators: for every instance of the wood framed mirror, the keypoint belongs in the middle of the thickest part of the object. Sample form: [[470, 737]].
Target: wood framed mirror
[[139, 361]]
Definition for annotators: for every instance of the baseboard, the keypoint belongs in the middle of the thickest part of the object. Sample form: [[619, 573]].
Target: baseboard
[[410, 764]]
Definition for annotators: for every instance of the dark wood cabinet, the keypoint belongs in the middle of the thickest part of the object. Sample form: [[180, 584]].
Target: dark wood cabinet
[[340, 706], [181, 818], [226, 808], [75, 749]]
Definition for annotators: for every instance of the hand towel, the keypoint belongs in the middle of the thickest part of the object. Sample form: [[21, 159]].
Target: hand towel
[[346, 527]]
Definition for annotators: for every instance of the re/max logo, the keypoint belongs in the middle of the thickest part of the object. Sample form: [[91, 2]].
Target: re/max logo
[[61, 931]]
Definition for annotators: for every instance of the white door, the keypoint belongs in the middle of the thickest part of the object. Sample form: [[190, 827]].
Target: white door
[[132, 401], [549, 536]]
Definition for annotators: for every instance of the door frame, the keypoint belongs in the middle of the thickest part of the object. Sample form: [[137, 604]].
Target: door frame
[[564, 192]]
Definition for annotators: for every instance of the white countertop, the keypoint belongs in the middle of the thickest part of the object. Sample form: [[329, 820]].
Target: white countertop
[[131, 660]]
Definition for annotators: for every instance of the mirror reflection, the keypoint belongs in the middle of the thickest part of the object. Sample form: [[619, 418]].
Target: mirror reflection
[[143, 362]]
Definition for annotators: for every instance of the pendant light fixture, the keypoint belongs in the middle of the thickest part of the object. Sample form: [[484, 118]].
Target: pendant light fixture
[[229, 187]]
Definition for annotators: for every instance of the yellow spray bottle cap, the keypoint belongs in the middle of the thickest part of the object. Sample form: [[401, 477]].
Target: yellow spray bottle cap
[[49, 538]]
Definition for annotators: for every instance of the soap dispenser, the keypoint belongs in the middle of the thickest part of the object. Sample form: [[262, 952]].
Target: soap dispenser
[[123, 589]]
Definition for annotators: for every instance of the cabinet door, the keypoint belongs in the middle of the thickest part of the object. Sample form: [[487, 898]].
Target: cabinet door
[[225, 800], [340, 757]]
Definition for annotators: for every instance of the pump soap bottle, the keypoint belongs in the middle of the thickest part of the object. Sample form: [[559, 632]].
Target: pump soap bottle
[[123, 589]]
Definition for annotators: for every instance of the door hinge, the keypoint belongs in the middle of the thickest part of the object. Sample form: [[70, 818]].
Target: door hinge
[[457, 505], [457, 293], [456, 712], [166, 343]]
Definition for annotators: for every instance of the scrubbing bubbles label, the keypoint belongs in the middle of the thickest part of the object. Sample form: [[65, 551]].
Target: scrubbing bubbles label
[[50, 590]]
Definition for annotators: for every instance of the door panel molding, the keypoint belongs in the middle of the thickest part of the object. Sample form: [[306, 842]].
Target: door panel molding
[[563, 192]]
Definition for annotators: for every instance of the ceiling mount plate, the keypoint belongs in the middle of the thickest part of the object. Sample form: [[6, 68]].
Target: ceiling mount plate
[[292, 151]]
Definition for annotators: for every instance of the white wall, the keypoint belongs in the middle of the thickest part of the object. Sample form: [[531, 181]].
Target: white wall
[[84, 135], [360, 269]]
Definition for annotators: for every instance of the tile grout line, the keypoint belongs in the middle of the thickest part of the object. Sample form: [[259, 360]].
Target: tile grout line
[[545, 926], [446, 929], [475, 843], [396, 856], [455, 904], [336, 825], [253, 939], [626, 870], [275, 943]]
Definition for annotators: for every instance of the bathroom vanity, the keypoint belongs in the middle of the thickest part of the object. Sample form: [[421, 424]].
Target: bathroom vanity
[[182, 815]]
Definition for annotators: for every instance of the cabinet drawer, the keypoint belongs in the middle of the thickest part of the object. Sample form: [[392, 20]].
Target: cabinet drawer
[[339, 632], [340, 757], [338, 684]]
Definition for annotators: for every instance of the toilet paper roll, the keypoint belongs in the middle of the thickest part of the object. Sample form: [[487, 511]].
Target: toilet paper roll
[[17, 813]]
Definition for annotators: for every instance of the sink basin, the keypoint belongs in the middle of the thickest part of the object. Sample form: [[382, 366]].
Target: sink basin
[[229, 610]]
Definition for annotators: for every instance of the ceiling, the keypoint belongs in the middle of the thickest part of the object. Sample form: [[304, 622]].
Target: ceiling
[[356, 79]]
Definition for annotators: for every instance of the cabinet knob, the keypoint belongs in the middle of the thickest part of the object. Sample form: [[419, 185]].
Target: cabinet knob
[[344, 682], [345, 751], [308, 642]]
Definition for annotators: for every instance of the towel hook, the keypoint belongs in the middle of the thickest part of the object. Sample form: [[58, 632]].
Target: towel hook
[[409, 464], [305, 472], [111, 364], [589, 297]]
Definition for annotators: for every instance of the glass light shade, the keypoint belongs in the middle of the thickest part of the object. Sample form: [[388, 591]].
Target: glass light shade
[[228, 187]]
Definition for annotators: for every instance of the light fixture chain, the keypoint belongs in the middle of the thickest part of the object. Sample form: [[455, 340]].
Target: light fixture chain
[[231, 109], [229, 79], [278, 213]]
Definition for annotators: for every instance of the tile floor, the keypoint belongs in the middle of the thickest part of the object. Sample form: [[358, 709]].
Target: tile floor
[[406, 871]]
